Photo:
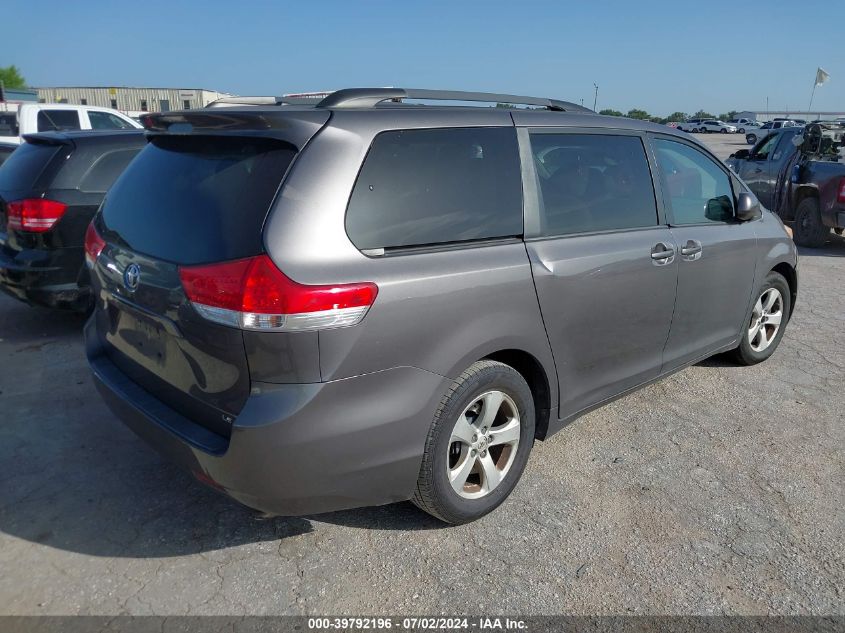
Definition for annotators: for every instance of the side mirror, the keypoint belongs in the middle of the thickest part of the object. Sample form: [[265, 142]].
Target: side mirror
[[748, 208], [742, 154]]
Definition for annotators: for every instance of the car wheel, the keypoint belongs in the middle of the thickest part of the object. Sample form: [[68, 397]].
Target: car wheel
[[478, 444], [724, 130], [751, 139], [809, 230], [741, 130], [769, 317]]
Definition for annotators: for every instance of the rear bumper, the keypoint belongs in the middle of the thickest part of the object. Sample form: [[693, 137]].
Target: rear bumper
[[44, 278], [296, 448]]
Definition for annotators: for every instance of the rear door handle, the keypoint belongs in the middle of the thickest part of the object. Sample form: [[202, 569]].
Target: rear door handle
[[662, 254], [758, 170], [691, 251]]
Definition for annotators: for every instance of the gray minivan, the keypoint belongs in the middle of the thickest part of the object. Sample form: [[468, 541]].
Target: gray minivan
[[367, 300]]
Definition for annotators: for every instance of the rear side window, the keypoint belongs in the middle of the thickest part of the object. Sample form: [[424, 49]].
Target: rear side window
[[23, 167], [593, 182], [195, 200], [8, 124], [420, 187], [106, 169], [51, 120], [106, 121]]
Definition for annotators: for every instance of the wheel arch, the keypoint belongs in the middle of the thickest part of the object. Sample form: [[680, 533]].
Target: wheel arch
[[791, 276], [803, 192], [535, 375]]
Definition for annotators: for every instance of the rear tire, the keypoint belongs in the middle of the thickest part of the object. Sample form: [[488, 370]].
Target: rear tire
[[464, 475], [769, 316], [809, 230], [741, 130], [751, 139]]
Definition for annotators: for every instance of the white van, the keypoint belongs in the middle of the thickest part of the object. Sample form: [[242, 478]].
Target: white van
[[28, 118]]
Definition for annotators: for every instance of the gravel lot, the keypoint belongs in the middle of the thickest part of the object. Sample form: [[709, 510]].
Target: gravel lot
[[718, 490]]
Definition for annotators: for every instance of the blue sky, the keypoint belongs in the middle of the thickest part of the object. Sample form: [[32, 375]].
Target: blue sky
[[659, 56]]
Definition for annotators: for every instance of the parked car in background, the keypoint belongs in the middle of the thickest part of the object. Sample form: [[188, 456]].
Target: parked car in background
[[31, 118], [764, 130], [334, 334], [714, 125], [799, 174], [746, 125], [5, 151], [50, 188], [690, 125]]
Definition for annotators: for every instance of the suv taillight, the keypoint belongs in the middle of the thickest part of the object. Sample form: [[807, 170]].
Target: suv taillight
[[255, 295], [94, 245], [840, 196], [35, 215]]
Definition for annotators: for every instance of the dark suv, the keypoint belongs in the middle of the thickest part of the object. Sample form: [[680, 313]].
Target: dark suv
[[50, 188], [366, 300]]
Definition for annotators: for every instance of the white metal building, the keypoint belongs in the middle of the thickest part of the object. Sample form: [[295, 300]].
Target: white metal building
[[762, 115], [130, 99]]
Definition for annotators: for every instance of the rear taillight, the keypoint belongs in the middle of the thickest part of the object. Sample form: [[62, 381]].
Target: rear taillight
[[255, 295], [94, 245], [35, 215], [840, 196]]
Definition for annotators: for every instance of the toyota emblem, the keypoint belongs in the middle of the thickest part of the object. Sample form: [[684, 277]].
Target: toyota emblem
[[132, 277]]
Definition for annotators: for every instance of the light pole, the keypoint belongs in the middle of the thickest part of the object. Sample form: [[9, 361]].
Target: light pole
[[596, 96]]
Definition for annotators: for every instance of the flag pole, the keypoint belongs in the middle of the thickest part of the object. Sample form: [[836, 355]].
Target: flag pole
[[812, 94]]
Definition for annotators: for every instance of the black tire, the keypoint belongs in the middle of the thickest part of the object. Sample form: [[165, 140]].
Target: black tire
[[745, 354], [724, 131], [838, 231], [741, 130], [434, 494], [808, 228]]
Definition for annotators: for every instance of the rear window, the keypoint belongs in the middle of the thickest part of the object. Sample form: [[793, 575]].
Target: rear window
[[193, 200], [420, 187], [23, 167], [106, 169], [8, 124], [52, 120]]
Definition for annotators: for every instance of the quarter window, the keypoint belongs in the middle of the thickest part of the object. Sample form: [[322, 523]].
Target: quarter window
[[420, 187], [593, 182], [698, 190], [105, 171]]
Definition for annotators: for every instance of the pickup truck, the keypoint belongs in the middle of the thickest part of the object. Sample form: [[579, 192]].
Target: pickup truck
[[29, 118], [799, 173]]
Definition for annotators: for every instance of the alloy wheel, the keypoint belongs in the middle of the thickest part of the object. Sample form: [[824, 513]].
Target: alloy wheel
[[765, 319], [483, 445]]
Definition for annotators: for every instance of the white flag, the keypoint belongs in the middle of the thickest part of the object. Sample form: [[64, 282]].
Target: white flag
[[821, 76]]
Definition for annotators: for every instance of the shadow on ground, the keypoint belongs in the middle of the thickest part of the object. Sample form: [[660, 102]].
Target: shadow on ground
[[74, 478]]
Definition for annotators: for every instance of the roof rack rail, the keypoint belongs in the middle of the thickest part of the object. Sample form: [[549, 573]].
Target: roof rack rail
[[259, 101], [369, 97]]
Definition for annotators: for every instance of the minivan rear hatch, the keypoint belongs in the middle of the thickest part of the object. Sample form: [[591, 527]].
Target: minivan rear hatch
[[198, 194]]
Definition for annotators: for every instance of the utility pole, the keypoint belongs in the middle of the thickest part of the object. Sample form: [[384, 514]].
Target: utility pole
[[596, 96]]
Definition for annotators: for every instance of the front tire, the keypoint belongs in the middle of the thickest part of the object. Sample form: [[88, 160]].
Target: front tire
[[741, 130], [769, 316], [809, 230], [751, 139], [724, 131], [478, 444]]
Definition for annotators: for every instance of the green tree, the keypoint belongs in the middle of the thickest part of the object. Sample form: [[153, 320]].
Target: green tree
[[727, 116], [610, 112], [678, 116], [12, 78], [642, 115], [701, 114]]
